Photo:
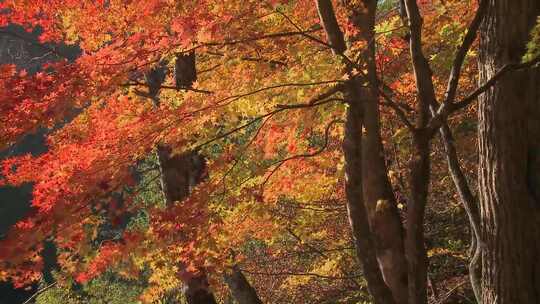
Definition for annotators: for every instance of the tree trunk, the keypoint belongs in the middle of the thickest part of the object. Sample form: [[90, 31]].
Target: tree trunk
[[180, 173], [240, 288], [197, 290], [415, 243], [358, 217], [420, 164], [471, 208], [352, 150], [379, 199], [509, 124]]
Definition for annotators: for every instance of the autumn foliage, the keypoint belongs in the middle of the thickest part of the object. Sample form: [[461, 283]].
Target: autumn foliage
[[273, 147]]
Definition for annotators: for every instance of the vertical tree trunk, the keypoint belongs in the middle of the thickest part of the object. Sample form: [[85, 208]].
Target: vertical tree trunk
[[379, 199], [179, 173], [509, 123], [358, 218], [352, 150], [415, 244], [420, 164]]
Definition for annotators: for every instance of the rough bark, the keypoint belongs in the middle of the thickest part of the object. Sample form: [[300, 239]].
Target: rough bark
[[509, 124], [240, 288], [379, 198]]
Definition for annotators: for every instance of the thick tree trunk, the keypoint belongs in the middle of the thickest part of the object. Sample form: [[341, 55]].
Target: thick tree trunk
[[509, 124], [379, 199], [240, 288]]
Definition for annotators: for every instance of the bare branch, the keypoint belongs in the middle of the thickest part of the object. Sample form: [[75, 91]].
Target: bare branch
[[258, 118], [331, 26], [397, 109], [257, 38], [253, 59], [422, 70], [37, 293], [280, 163], [289, 273], [445, 109], [166, 87], [470, 36], [298, 28]]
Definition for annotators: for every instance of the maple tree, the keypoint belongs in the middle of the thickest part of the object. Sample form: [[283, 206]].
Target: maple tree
[[292, 107]]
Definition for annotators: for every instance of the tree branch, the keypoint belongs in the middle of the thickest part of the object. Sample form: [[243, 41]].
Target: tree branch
[[280, 108], [445, 109], [422, 70], [37, 293], [397, 109], [470, 36], [280, 163], [331, 26]]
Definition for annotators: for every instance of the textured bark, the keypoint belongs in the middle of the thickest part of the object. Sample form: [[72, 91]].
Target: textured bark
[[240, 288], [379, 199], [509, 123]]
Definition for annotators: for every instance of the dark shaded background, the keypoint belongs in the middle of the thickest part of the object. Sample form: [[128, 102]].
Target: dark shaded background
[[22, 48]]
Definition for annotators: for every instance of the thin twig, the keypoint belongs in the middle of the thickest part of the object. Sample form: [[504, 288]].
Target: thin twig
[[37, 293]]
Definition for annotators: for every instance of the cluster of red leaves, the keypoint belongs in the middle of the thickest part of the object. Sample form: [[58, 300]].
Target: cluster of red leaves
[[108, 253], [30, 101], [90, 157]]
